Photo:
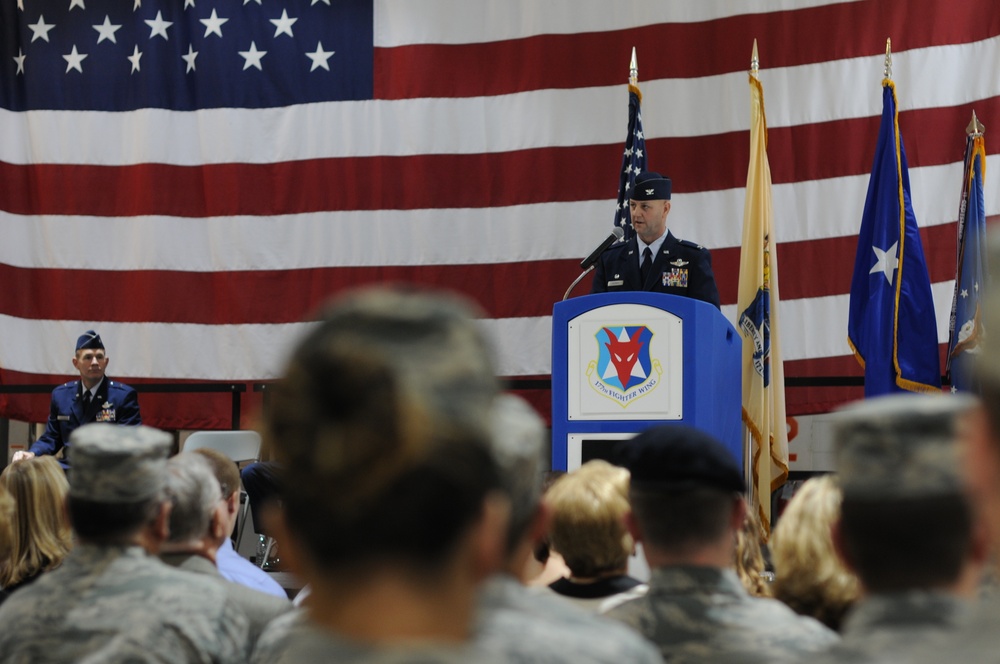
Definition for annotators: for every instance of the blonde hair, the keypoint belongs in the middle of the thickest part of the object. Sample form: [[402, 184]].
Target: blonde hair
[[749, 558], [40, 533], [588, 518], [809, 576], [6, 523]]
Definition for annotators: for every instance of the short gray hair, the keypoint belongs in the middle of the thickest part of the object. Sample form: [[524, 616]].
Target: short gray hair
[[517, 444], [194, 493]]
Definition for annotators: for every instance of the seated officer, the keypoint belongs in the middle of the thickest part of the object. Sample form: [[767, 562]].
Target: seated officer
[[687, 505], [654, 260], [93, 398]]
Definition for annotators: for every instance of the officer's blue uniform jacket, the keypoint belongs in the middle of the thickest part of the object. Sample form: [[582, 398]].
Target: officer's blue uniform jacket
[[114, 402], [680, 268]]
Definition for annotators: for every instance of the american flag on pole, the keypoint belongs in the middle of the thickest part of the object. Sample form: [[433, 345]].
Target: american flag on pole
[[191, 178], [633, 161]]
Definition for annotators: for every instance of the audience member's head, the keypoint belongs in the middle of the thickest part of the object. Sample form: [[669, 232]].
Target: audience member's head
[[982, 431], [196, 516], [686, 495], [750, 563], [227, 473], [40, 534], [6, 525], [906, 522], [117, 492], [588, 529], [808, 575], [517, 442], [382, 426]]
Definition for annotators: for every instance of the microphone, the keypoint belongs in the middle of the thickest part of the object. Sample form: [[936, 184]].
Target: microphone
[[617, 233]]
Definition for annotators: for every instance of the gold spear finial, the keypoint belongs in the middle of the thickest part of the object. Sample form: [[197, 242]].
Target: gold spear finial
[[975, 127], [633, 70], [754, 60], [887, 72]]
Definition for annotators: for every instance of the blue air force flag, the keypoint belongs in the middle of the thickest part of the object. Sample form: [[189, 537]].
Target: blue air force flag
[[972, 272], [891, 327]]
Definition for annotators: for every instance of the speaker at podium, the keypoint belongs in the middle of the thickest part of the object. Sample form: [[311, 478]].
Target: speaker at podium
[[623, 362]]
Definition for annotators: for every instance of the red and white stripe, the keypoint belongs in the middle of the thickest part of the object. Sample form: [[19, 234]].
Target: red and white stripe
[[196, 242]]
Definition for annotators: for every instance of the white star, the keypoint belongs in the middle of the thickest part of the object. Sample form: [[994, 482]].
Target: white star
[[41, 29], [886, 262], [19, 59], [158, 26], [252, 57], [77, 3], [213, 24], [964, 293], [134, 58], [73, 60], [954, 390], [638, 135], [326, 2], [107, 30], [20, 5], [138, 3], [628, 152], [283, 24], [319, 57], [189, 58], [188, 3], [638, 154]]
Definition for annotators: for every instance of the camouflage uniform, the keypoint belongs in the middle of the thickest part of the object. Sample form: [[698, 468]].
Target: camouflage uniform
[[520, 624], [897, 627], [703, 614], [115, 604], [290, 639]]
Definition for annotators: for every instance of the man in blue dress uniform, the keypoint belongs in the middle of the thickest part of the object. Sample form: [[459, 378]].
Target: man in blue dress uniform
[[654, 260], [93, 398]]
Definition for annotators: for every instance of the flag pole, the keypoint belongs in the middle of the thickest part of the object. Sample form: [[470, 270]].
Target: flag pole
[[633, 70], [747, 434], [887, 70]]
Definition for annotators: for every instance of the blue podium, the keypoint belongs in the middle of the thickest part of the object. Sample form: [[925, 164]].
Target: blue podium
[[623, 362]]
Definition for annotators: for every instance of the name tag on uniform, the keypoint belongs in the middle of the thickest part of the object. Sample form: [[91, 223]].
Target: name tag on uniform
[[619, 282], [62, 418]]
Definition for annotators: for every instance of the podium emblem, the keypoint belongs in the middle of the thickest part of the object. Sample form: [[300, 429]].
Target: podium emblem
[[623, 370]]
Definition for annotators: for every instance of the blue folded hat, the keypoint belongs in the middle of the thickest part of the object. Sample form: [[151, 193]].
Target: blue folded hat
[[650, 186]]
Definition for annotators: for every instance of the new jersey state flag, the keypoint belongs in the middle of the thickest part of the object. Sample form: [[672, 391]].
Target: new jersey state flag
[[763, 371], [891, 326]]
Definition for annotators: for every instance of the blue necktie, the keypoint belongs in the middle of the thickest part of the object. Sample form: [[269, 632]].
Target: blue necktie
[[647, 264]]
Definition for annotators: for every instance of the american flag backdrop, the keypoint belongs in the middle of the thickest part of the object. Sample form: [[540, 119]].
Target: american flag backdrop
[[192, 177]]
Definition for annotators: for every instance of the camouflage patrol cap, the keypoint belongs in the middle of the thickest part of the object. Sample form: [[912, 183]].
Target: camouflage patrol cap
[[988, 361], [677, 457], [117, 464], [899, 446]]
